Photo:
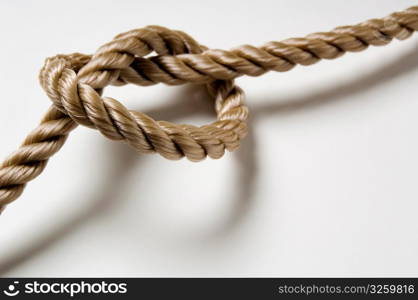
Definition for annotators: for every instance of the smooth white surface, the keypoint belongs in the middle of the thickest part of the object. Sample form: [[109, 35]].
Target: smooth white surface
[[325, 185]]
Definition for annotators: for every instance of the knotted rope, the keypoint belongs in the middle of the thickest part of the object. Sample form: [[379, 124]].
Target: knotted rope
[[75, 84]]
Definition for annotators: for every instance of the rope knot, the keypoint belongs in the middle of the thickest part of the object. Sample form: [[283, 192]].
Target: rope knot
[[75, 84]]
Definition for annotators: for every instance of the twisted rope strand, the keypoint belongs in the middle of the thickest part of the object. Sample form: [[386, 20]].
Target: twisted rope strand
[[30, 159], [75, 84], [125, 54]]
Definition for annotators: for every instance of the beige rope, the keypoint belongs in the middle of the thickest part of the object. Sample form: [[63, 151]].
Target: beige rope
[[75, 84]]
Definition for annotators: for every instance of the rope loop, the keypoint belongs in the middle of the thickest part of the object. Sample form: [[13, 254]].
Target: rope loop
[[75, 84]]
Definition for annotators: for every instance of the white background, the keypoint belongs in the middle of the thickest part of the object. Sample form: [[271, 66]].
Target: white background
[[325, 185]]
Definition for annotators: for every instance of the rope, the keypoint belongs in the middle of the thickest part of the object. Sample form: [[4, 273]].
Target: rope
[[75, 83]]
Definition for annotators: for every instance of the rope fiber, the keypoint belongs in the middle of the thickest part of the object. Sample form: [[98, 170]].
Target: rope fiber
[[155, 54]]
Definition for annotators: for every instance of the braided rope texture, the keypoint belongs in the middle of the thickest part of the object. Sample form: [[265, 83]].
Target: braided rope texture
[[155, 54]]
